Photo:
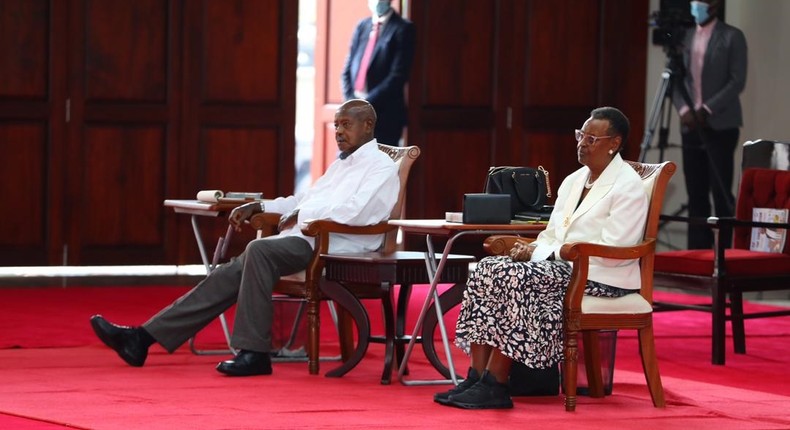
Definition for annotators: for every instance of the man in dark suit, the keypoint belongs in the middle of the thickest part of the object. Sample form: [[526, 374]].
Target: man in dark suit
[[715, 58], [388, 67]]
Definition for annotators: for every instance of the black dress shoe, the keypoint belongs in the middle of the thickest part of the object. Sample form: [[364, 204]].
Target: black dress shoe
[[247, 363], [126, 341]]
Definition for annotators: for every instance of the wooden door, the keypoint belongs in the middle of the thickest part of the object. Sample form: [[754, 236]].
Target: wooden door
[[505, 82], [32, 113], [109, 107]]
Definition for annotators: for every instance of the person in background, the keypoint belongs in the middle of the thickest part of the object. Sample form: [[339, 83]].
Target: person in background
[[360, 188], [714, 55], [512, 307], [378, 66]]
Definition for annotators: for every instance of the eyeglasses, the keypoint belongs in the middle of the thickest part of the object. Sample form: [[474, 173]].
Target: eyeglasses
[[588, 138]]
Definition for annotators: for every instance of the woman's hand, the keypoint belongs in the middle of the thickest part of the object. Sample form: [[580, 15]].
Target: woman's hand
[[242, 213], [522, 251]]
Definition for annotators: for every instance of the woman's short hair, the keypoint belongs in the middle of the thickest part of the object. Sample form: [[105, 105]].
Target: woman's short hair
[[618, 122]]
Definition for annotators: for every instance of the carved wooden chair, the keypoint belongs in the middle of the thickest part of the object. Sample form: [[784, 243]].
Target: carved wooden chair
[[588, 315], [305, 285], [725, 273]]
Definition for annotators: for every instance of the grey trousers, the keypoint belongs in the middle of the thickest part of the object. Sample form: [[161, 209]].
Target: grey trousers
[[248, 281]]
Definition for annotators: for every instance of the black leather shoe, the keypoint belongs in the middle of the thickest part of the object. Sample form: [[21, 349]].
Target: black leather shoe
[[247, 363], [471, 379], [124, 340]]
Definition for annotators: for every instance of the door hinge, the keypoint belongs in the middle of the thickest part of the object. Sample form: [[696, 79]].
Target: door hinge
[[68, 110]]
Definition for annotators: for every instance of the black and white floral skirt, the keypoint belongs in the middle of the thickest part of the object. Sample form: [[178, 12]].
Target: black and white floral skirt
[[516, 307]]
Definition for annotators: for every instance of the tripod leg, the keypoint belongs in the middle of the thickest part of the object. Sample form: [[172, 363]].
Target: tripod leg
[[658, 102]]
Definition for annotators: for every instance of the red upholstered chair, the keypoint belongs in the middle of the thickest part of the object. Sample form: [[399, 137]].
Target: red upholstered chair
[[725, 274]]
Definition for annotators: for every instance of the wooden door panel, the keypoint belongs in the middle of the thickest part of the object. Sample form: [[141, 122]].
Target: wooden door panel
[[239, 106], [124, 103], [31, 126], [24, 39], [442, 189], [123, 192], [458, 61], [243, 152], [126, 51], [23, 173], [242, 53]]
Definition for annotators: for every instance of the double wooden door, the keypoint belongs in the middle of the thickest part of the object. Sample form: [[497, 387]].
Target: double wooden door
[[498, 82], [109, 107]]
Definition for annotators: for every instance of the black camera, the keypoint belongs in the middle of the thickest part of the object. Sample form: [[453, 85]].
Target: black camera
[[671, 22]]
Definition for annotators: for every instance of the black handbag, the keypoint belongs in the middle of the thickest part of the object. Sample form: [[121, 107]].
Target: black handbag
[[529, 187]]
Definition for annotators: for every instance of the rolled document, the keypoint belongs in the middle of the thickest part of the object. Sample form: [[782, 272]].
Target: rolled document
[[210, 196]]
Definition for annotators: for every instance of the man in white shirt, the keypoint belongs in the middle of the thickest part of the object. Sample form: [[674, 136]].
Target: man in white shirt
[[360, 188]]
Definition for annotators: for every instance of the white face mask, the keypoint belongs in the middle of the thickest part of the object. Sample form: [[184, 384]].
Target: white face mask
[[379, 7]]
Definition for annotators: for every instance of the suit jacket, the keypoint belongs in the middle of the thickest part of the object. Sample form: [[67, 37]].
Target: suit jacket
[[614, 212], [723, 75], [388, 71]]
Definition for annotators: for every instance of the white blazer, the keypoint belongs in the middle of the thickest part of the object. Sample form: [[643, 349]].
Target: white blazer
[[614, 212]]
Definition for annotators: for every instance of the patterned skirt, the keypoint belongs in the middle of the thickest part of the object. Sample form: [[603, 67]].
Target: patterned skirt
[[516, 307]]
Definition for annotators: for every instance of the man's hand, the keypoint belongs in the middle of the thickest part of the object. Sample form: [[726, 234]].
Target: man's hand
[[702, 117], [242, 213], [522, 251], [288, 220], [688, 120]]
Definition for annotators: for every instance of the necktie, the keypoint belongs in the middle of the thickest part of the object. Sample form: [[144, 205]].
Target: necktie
[[359, 82]]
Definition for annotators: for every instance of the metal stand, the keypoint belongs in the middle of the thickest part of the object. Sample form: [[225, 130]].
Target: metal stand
[[219, 253]]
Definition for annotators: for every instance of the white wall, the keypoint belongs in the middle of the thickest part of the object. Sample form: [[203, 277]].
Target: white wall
[[766, 99]]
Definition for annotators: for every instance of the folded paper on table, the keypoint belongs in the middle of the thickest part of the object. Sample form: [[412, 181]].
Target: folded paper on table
[[210, 196]]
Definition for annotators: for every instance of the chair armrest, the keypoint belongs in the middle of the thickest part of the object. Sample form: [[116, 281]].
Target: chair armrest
[[580, 253], [317, 227], [322, 228], [265, 223], [577, 251], [501, 244]]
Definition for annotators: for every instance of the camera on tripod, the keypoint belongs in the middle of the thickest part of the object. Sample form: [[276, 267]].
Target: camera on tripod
[[671, 22]]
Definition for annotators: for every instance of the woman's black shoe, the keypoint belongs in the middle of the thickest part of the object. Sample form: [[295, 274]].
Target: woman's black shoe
[[487, 393], [471, 378]]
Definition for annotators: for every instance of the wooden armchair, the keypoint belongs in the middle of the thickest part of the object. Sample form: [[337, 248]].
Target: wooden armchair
[[589, 315], [724, 273], [305, 285]]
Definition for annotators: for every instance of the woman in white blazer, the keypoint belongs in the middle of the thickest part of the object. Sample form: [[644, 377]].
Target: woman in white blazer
[[512, 307]]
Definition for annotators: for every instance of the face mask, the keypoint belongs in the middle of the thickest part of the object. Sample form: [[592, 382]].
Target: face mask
[[379, 7], [699, 11]]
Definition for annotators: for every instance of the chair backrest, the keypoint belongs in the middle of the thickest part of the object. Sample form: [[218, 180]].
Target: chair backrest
[[655, 178], [404, 158], [766, 154], [760, 188]]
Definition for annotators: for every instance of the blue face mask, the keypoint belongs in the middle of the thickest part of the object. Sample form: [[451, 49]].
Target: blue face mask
[[699, 10]]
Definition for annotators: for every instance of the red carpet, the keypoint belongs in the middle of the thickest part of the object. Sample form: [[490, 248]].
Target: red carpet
[[54, 372]]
